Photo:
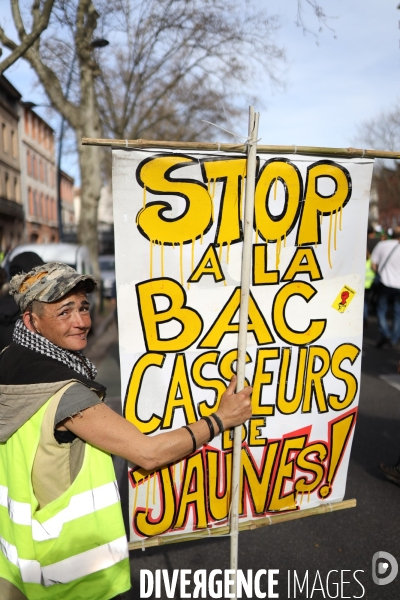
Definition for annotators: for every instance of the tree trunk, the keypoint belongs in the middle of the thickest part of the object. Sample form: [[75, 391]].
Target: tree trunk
[[90, 169], [89, 162]]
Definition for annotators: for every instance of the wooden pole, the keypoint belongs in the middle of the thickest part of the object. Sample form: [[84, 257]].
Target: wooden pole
[[243, 321], [273, 519], [242, 148]]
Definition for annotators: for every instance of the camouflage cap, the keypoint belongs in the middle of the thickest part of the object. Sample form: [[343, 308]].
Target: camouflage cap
[[47, 283]]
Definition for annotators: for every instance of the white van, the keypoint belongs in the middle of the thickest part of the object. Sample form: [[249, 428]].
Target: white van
[[74, 255]]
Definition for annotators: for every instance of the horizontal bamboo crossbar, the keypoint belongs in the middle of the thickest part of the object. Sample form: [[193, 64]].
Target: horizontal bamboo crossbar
[[243, 526], [215, 146]]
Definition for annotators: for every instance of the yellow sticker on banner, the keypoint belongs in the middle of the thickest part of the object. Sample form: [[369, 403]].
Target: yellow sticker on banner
[[343, 299]]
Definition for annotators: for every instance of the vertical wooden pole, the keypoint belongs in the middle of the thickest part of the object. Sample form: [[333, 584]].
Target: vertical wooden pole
[[243, 321]]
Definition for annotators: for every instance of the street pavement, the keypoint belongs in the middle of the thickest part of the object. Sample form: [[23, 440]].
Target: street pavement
[[342, 542]]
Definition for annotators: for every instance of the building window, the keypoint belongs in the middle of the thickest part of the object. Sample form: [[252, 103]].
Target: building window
[[26, 113], [7, 185], [35, 206], [30, 197], [16, 190], [35, 169], [14, 144], [34, 125], [4, 137]]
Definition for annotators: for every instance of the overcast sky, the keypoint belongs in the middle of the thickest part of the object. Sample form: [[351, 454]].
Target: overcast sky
[[330, 87]]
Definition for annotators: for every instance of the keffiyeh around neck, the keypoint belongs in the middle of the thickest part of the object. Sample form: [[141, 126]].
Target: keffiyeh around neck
[[38, 343]]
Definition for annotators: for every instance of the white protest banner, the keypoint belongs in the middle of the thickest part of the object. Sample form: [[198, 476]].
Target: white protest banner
[[178, 231]]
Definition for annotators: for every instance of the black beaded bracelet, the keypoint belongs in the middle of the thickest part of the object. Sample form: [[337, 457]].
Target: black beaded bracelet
[[192, 436], [210, 427], [218, 422]]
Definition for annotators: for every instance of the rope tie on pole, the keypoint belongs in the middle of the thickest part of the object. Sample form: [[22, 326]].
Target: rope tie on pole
[[126, 143], [295, 149]]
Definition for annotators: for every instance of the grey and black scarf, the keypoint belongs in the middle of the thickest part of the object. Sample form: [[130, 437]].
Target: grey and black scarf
[[38, 343]]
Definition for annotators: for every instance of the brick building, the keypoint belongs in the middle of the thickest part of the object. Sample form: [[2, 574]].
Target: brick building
[[39, 181], [11, 209]]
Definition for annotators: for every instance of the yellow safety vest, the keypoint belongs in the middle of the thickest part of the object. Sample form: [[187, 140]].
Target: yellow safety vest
[[74, 547], [369, 274]]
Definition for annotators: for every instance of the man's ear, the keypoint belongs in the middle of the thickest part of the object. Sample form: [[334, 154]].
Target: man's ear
[[26, 318]]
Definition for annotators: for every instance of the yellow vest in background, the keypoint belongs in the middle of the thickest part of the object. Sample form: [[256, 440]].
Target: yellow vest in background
[[369, 274]]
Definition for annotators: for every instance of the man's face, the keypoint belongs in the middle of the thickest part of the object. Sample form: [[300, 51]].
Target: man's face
[[66, 322]]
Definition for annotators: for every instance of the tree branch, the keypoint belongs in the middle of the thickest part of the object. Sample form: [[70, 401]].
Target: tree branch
[[27, 40]]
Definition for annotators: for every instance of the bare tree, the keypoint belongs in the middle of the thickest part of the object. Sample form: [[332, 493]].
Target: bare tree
[[176, 62], [383, 133], [41, 13], [75, 23], [170, 64]]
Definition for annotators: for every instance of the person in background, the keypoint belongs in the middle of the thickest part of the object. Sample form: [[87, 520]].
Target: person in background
[[369, 281], [372, 240], [61, 528], [114, 300], [385, 261], [9, 311]]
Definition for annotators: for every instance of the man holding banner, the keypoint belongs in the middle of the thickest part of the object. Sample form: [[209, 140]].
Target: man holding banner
[[61, 529]]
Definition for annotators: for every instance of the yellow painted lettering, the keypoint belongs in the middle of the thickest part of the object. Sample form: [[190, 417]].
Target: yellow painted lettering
[[262, 378], [258, 479], [261, 276], [224, 325], [153, 220], [226, 365], [343, 352], [219, 469], [315, 204], [227, 438], [214, 384], [305, 462], [231, 172], [179, 394], [193, 494], [189, 320], [283, 329], [303, 261], [317, 367], [275, 227], [283, 404], [144, 522], [208, 265], [280, 500], [131, 412], [255, 424]]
